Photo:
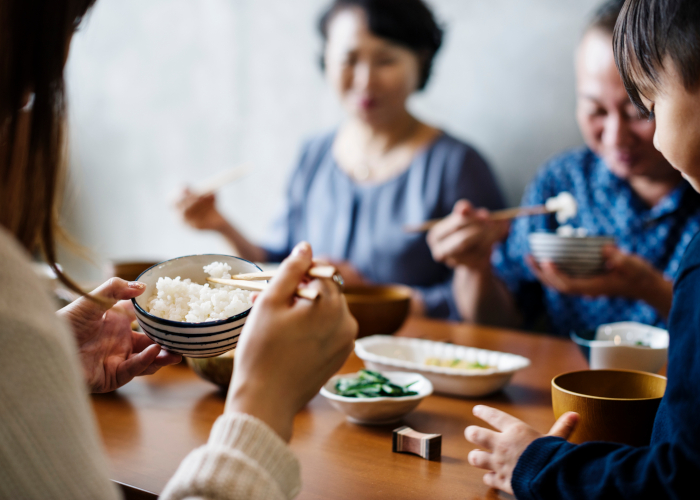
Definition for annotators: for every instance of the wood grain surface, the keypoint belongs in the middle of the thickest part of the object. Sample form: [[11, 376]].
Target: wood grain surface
[[152, 423]]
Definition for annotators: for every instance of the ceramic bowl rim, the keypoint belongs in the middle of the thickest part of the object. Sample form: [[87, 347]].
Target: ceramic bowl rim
[[364, 354], [600, 398], [591, 237], [335, 397], [184, 324], [359, 298], [609, 343]]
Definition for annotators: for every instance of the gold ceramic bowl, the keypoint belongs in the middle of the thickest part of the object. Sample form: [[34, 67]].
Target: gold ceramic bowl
[[378, 309], [217, 370], [614, 405]]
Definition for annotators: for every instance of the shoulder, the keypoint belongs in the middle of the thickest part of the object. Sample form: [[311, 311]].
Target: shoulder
[[317, 146], [568, 171], [691, 258], [455, 160], [25, 303], [571, 163], [458, 151]]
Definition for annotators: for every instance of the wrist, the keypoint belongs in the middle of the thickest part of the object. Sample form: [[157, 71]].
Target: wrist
[[656, 291], [259, 402]]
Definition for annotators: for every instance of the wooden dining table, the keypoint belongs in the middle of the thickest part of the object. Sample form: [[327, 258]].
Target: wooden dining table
[[152, 423]]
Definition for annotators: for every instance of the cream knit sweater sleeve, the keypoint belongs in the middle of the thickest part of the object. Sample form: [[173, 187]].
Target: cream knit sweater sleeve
[[49, 444]]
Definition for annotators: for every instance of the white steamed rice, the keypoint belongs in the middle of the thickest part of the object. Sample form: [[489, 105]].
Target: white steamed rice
[[183, 300]]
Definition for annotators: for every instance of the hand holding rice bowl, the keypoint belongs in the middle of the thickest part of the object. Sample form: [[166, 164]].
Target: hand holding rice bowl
[[579, 256], [217, 323]]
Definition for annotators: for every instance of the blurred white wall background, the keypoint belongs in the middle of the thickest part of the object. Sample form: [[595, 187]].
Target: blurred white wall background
[[165, 92]]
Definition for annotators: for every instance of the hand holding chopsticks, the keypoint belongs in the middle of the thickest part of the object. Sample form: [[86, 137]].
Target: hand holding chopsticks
[[500, 215]]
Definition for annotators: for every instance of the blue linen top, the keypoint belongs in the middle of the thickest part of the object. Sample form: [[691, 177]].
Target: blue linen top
[[607, 205], [669, 467], [363, 223]]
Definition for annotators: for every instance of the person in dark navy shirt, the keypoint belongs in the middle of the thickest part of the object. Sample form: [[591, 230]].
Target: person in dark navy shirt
[[665, 35]]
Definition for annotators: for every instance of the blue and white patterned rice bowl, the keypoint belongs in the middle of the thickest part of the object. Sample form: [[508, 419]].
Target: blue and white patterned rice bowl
[[194, 340], [579, 256]]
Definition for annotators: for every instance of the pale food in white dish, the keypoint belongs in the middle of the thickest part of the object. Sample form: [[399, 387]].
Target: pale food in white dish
[[383, 352]]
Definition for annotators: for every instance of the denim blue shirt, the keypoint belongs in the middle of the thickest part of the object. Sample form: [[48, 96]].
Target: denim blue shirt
[[363, 223], [607, 205]]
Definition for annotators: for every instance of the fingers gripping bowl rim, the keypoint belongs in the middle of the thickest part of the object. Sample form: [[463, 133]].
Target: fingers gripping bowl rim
[[196, 340]]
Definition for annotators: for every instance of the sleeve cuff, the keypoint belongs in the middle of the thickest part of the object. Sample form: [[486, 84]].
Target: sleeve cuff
[[260, 443], [535, 458]]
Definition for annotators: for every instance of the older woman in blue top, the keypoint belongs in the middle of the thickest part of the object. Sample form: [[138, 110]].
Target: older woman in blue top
[[354, 189], [624, 188]]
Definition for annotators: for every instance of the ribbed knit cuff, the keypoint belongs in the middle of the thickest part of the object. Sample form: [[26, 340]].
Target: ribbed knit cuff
[[244, 460], [260, 443], [535, 457]]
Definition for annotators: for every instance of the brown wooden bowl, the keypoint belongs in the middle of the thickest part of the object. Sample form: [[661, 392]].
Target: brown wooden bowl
[[217, 370], [130, 270], [378, 309], [614, 405]]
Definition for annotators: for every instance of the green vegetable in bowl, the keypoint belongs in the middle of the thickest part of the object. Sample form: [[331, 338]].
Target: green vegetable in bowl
[[371, 385]]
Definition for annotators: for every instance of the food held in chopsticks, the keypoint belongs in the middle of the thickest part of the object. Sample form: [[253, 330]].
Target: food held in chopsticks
[[183, 300], [371, 384], [563, 205], [458, 364]]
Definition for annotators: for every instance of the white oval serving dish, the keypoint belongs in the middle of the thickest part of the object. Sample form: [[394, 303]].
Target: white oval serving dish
[[383, 352]]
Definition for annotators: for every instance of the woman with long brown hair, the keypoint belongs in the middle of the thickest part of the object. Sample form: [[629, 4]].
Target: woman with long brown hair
[[49, 446]]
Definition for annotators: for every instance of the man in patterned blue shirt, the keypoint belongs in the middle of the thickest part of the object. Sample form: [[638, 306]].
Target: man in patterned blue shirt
[[623, 187]]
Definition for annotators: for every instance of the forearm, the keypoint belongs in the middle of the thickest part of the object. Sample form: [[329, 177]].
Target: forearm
[[658, 293], [483, 298], [241, 245]]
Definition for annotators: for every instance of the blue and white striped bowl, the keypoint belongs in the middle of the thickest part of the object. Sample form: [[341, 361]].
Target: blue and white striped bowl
[[194, 340]]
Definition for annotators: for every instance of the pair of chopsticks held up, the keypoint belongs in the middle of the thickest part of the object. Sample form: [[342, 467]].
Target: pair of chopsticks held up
[[249, 281], [564, 205]]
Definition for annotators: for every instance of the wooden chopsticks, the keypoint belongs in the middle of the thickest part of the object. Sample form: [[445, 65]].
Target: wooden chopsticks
[[508, 214], [249, 281], [320, 271], [253, 286], [219, 180]]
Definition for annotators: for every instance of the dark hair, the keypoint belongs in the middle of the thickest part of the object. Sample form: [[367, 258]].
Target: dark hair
[[34, 39], [406, 22], [650, 31], [605, 16]]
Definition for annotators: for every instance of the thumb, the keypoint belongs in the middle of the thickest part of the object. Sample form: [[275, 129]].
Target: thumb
[[116, 289], [291, 273], [613, 256], [105, 297], [565, 425], [462, 208]]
